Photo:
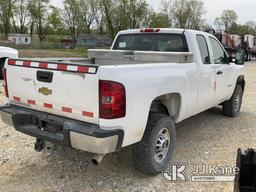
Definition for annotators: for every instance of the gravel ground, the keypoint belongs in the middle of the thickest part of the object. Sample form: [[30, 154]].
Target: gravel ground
[[208, 138]]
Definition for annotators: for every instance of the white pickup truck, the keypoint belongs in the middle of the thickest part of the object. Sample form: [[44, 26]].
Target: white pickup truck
[[132, 94]]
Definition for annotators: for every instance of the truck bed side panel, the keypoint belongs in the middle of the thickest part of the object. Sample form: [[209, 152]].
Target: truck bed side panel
[[144, 83]]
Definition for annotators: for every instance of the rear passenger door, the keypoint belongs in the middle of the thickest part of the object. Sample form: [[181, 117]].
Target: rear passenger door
[[224, 72]]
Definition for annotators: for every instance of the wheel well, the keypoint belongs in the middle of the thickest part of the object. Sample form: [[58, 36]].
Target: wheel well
[[2, 59], [168, 104], [2, 62], [241, 81]]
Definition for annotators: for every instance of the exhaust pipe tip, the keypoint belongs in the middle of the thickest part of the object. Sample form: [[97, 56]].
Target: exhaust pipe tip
[[96, 160]]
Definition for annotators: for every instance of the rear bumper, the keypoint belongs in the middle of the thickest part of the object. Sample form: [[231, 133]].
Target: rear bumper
[[63, 131]]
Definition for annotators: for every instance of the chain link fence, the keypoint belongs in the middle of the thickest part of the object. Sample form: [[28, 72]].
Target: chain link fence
[[49, 45]]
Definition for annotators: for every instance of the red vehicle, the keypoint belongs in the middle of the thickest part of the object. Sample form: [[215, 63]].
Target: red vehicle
[[69, 43], [228, 43]]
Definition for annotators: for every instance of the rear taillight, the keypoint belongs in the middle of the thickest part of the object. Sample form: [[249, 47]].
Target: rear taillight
[[149, 30], [5, 85], [112, 100]]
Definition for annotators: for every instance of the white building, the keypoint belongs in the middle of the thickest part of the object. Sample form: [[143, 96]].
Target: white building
[[20, 39]]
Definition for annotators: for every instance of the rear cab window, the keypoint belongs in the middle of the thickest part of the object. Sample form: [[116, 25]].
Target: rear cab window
[[152, 42]]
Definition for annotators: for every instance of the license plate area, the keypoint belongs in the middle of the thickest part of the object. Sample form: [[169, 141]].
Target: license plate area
[[43, 123], [47, 124]]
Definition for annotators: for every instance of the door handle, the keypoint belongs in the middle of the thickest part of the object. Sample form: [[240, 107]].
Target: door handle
[[44, 76], [219, 73]]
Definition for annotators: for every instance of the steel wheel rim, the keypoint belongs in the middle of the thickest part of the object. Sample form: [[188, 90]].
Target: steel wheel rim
[[237, 101], [162, 145]]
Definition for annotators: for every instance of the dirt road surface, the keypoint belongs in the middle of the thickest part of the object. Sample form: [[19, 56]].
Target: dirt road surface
[[208, 138]]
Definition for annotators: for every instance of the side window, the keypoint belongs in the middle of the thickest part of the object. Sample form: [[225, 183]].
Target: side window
[[125, 43], [204, 51], [218, 52]]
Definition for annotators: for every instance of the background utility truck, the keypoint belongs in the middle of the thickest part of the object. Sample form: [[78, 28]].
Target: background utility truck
[[250, 47], [132, 94]]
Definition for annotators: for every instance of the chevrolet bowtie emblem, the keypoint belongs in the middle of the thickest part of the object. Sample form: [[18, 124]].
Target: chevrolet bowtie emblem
[[45, 91]]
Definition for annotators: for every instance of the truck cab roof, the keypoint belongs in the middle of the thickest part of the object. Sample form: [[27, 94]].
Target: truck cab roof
[[162, 30]]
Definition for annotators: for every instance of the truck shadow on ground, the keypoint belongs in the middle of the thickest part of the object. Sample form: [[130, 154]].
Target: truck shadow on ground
[[63, 163]]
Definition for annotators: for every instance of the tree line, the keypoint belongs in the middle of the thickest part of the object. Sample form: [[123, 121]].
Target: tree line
[[227, 22], [107, 17], [95, 16]]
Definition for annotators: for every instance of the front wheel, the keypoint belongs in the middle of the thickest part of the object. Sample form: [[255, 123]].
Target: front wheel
[[232, 107], [152, 155]]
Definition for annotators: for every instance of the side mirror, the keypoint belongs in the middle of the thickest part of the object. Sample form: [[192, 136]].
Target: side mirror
[[240, 57]]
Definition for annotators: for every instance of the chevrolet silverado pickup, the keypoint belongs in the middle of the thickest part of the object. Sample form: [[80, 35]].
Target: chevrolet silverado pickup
[[132, 94]]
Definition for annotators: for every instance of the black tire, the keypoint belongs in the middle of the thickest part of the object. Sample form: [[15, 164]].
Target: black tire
[[144, 152], [247, 56], [231, 108]]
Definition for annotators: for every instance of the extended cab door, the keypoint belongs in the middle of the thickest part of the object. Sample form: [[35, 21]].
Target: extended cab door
[[206, 75], [224, 84]]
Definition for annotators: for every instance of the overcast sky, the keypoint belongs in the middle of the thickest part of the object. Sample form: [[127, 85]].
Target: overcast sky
[[244, 8]]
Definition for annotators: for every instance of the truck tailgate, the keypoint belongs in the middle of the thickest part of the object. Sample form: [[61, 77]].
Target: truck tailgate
[[65, 89]]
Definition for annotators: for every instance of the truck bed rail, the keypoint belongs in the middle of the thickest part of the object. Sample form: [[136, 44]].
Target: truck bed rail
[[59, 66], [113, 57]]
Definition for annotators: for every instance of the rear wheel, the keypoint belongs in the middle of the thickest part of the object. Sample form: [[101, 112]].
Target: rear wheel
[[232, 107], [153, 153]]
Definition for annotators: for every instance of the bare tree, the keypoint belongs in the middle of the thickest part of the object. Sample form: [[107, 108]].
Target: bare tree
[[196, 11], [138, 11], [87, 14], [73, 17], [184, 13], [6, 11], [124, 14], [20, 16], [228, 17], [218, 23], [251, 24], [108, 8], [39, 11], [98, 14], [166, 6], [55, 21], [159, 20]]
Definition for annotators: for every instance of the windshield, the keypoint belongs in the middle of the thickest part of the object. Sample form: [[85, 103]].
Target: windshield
[[152, 42]]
